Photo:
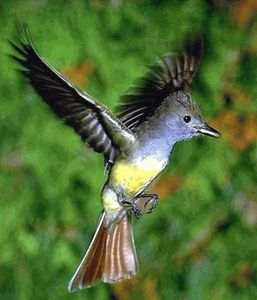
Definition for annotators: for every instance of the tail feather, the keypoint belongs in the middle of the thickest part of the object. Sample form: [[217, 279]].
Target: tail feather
[[111, 256]]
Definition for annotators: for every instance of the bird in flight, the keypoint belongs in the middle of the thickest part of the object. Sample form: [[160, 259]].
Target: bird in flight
[[136, 144]]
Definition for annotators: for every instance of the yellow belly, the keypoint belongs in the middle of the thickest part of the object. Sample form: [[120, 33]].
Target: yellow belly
[[135, 176]]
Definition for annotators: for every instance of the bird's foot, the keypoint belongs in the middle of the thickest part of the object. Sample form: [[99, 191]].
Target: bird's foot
[[132, 205], [140, 205], [137, 211], [151, 203], [148, 202]]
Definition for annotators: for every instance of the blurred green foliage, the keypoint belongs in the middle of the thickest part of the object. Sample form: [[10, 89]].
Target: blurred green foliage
[[201, 242]]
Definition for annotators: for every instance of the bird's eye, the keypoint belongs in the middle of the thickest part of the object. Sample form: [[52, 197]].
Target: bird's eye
[[187, 119]]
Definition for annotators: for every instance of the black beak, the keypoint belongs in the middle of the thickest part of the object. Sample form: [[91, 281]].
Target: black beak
[[207, 130]]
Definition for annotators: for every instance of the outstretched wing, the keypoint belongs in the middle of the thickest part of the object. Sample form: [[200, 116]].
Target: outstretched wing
[[171, 73], [92, 121]]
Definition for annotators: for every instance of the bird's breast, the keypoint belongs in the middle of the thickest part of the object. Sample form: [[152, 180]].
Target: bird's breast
[[133, 176]]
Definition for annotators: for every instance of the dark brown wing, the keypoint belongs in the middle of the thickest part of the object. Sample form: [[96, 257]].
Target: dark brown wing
[[92, 121], [171, 73]]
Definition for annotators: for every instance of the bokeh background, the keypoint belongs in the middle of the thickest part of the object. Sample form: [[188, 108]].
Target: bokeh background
[[201, 241]]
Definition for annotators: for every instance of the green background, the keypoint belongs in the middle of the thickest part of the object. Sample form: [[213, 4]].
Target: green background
[[201, 241]]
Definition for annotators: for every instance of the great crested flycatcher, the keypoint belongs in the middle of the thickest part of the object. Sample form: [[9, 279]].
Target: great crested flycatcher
[[136, 145]]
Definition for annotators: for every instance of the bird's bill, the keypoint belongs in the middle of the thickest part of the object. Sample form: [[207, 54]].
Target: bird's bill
[[208, 130]]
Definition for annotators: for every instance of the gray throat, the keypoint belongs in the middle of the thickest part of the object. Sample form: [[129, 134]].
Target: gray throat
[[155, 138]]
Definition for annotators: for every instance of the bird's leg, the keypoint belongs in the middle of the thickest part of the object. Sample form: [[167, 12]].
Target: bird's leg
[[144, 204], [149, 203], [135, 208], [139, 205], [129, 203]]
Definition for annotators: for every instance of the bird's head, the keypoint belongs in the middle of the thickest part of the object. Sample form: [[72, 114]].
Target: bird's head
[[185, 120]]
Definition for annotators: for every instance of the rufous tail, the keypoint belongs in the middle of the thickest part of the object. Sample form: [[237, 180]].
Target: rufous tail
[[111, 256]]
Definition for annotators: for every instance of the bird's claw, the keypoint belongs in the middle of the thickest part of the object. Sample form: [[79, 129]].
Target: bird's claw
[[140, 205], [136, 210], [151, 203], [147, 207], [132, 205]]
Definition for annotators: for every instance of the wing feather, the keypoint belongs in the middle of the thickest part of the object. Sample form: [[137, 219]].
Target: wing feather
[[92, 121], [171, 73]]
